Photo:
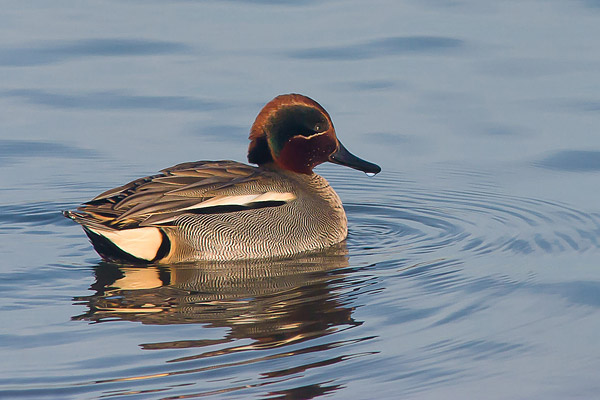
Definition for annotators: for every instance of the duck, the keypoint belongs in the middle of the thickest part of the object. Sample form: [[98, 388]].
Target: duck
[[227, 210]]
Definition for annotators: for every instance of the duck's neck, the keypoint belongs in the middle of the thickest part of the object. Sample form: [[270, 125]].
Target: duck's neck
[[273, 166]]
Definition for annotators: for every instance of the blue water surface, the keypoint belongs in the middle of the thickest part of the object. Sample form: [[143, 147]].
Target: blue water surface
[[471, 267]]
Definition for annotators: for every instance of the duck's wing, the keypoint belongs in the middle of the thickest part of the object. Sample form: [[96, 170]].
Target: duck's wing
[[199, 187]]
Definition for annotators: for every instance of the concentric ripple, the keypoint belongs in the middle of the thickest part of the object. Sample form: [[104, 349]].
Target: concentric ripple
[[411, 219]]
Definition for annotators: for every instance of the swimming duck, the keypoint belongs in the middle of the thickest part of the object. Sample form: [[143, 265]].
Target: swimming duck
[[226, 210]]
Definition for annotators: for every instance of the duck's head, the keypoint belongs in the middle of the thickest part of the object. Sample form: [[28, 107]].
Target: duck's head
[[296, 133]]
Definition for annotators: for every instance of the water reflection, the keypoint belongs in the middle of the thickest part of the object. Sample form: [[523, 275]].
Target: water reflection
[[275, 304]]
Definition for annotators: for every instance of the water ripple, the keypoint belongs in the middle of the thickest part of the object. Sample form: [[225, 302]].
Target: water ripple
[[111, 100], [19, 149], [414, 220], [57, 51], [572, 161], [37, 215], [381, 48]]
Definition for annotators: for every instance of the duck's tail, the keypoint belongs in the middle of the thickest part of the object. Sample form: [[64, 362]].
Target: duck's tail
[[131, 245]]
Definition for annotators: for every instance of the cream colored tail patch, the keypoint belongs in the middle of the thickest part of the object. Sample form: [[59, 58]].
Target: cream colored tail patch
[[141, 243]]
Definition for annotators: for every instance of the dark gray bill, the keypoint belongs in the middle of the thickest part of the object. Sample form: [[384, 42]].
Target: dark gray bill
[[344, 157]]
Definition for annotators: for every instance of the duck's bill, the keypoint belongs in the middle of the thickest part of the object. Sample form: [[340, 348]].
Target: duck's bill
[[344, 157]]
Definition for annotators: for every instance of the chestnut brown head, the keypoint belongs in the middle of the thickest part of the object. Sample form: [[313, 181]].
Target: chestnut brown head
[[296, 133]]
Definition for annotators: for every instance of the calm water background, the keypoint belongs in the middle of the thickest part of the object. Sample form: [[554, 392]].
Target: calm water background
[[472, 266]]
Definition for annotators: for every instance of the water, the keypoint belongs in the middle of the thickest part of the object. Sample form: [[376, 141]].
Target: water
[[471, 267]]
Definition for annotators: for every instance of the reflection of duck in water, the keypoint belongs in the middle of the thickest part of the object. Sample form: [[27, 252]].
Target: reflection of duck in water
[[273, 302], [225, 210]]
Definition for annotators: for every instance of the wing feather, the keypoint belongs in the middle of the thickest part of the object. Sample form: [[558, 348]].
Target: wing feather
[[209, 186]]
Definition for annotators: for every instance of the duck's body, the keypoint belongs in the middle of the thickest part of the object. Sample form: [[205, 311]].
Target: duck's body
[[225, 210], [214, 210]]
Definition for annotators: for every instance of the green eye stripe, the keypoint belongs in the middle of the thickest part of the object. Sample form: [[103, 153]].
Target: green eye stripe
[[292, 121]]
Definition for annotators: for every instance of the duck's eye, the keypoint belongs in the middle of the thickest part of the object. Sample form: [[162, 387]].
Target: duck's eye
[[318, 128]]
